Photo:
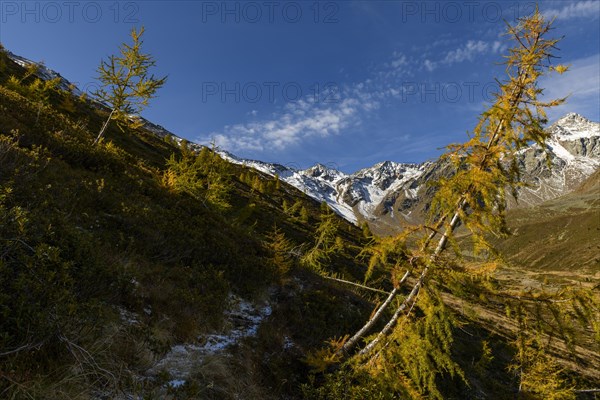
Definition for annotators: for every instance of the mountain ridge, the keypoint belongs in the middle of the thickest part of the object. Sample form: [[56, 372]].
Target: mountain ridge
[[390, 194]]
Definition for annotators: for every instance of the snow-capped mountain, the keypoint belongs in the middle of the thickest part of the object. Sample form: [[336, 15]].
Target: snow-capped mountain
[[318, 182], [574, 148], [354, 197], [390, 194]]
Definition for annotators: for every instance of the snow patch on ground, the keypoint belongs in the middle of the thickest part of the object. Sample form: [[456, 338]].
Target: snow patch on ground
[[244, 318], [130, 318], [175, 383]]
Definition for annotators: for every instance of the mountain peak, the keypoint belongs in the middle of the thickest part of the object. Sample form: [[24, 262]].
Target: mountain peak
[[572, 117], [324, 172], [574, 126], [386, 165]]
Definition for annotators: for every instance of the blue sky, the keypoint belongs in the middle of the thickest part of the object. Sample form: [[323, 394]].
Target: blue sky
[[346, 83]]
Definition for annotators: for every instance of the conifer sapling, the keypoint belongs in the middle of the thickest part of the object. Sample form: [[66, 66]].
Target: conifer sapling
[[127, 86]]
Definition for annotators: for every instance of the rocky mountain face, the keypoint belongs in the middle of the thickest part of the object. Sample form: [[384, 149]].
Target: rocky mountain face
[[574, 150], [389, 194]]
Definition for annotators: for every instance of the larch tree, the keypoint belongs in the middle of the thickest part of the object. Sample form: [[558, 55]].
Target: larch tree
[[127, 85], [325, 240], [485, 166], [31, 86], [204, 175], [474, 196]]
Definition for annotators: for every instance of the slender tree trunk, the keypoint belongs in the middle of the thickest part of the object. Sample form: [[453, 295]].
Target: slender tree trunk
[[350, 343], [37, 118], [103, 128], [415, 290], [355, 284], [353, 341]]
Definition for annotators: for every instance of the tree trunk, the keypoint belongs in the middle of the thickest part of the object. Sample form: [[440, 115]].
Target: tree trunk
[[37, 118], [354, 339], [415, 290], [354, 284], [103, 128]]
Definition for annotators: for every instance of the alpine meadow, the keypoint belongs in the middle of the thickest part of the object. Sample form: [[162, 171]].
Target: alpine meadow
[[137, 263]]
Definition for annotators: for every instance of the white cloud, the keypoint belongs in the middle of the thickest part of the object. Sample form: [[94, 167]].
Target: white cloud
[[579, 9], [399, 61], [300, 121], [470, 50], [497, 46], [466, 52], [429, 65], [398, 65]]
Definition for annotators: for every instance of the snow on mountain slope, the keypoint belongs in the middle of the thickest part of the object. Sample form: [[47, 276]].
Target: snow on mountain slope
[[375, 193], [318, 182], [367, 188], [574, 150], [397, 191], [46, 73], [347, 195]]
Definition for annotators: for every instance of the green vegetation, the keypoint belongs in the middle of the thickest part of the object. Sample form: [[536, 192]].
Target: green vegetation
[[126, 86], [326, 242], [204, 176]]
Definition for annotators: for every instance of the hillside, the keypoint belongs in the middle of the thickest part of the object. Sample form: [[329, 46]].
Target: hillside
[[567, 251], [105, 269]]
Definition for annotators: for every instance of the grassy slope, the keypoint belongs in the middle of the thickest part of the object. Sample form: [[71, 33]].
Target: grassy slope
[[559, 240], [89, 233]]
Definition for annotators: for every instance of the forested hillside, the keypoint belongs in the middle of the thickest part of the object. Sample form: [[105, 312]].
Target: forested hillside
[[93, 234]]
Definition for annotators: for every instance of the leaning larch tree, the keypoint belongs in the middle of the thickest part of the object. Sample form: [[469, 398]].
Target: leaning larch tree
[[485, 168], [127, 85]]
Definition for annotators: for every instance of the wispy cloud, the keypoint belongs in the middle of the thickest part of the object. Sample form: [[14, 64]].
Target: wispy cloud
[[429, 65], [399, 60], [307, 119], [579, 9], [299, 121], [399, 65], [470, 50]]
